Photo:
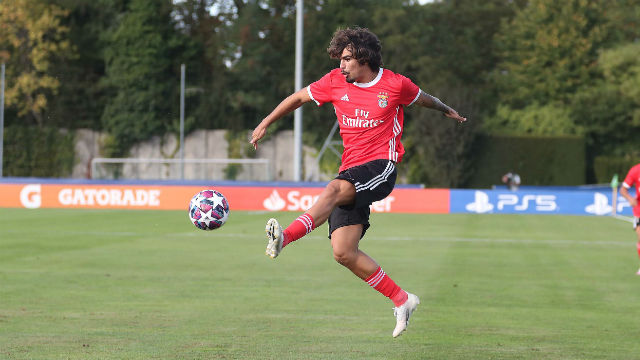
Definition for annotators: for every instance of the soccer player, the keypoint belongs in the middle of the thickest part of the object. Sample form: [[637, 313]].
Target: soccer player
[[633, 178], [369, 103]]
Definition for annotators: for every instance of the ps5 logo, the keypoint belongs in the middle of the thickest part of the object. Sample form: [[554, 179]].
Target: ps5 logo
[[601, 205], [481, 204], [540, 202]]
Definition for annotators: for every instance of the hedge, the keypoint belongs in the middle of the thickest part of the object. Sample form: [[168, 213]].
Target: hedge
[[37, 152], [605, 167], [539, 160]]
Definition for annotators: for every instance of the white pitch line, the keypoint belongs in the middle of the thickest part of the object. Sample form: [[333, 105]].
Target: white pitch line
[[441, 239], [259, 236], [625, 218], [91, 233]]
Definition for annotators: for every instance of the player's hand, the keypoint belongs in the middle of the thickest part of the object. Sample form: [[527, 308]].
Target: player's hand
[[633, 202], [257, 134], [454, 115]]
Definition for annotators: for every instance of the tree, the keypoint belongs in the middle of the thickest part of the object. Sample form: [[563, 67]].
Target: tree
[[610, 110], [32, 37], [548, 51], [549, 119], [141, 74], [81, 96], [203, 51], [453, 63], [550, 59], [260, 58], [439, 150]]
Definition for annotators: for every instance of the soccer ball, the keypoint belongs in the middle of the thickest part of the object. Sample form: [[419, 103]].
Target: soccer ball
[[208, 210]]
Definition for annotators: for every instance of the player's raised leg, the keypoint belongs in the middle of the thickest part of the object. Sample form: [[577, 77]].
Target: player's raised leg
[[338, 192], [274, 237], [403, 313], [344, 241]]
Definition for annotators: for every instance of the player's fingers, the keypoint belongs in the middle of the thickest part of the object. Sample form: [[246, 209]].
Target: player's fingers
[[257, 134], [455, 115], [254, 141], [253, 138]]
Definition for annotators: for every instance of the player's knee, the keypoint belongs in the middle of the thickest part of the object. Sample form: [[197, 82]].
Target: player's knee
[[333, 189], [340, 191], [343, 257]]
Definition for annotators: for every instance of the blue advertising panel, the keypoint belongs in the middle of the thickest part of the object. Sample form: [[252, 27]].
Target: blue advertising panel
[[538, 201]]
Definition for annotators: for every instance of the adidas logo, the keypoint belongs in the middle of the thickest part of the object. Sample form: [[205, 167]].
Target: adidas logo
[[344, 98]]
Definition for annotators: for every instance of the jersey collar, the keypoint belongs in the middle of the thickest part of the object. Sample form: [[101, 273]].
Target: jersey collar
[[370, 83]]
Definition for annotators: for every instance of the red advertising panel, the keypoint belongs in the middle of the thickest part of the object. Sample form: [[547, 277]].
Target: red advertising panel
[[176, 197]]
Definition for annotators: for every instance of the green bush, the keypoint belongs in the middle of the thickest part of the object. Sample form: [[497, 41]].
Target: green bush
[[38, 152], [605, 167], [549, 120], [539, 160]]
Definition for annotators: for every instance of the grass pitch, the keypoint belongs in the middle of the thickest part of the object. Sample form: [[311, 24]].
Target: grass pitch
[[88, 284]]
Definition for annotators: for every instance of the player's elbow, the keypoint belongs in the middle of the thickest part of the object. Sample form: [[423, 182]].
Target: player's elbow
[[300, 97]]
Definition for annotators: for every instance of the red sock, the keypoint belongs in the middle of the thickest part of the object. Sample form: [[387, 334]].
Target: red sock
[[638, 246], [387, 287], [298, 228]]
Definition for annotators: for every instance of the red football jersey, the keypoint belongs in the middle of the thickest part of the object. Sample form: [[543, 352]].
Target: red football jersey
[[633, 178], [370, 115]]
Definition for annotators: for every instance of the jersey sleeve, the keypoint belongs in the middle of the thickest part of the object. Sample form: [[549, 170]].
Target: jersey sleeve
[[410, 91], [320, 91]]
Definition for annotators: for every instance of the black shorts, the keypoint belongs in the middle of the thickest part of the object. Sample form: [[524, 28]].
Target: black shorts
[[373, 181], [636, 222]]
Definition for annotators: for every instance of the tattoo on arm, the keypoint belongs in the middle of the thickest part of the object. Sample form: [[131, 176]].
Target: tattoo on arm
[[436, 103]]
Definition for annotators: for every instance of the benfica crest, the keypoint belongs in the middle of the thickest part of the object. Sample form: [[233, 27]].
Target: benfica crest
[[382, 99]]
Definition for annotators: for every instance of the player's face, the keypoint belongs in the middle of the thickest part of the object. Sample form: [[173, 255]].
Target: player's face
[[351, 69]]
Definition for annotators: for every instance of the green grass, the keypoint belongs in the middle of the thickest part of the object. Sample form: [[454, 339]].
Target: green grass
[[89, 284]]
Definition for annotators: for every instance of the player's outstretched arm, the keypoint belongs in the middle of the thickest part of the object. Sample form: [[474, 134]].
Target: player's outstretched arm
[[287, 105], [433, 102]]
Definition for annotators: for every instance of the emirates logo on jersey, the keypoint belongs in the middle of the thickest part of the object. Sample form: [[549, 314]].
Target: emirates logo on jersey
[[383, 99]]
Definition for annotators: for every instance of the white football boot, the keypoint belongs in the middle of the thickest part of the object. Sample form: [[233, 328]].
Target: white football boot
[[274, 234], [403, 313]]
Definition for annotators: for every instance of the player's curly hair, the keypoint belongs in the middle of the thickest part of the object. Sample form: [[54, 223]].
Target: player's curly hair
[[364, 46]]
